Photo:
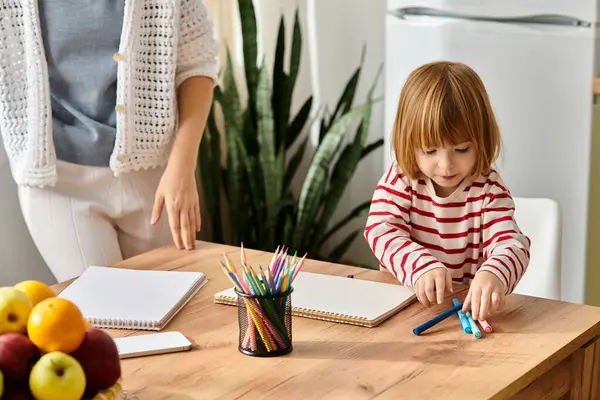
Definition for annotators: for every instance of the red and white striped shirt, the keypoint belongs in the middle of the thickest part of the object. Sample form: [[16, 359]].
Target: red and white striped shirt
[[411, 230]]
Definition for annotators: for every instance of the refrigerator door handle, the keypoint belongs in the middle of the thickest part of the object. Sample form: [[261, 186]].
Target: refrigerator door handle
[[544, 19]]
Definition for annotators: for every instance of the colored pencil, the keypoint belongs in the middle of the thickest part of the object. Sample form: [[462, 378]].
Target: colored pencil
[[268, 286]]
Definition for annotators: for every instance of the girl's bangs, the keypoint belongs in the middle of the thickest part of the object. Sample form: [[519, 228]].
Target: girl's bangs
[[442, 126]]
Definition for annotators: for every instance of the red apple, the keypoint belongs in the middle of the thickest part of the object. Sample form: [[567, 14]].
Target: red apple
[[89, 395], [17, 356], [99, 357]]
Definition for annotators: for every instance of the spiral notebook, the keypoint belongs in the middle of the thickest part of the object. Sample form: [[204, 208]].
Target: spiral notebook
[[132, 299], [340, 299]]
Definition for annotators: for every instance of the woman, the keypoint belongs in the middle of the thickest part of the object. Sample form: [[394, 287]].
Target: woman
[[102, 110]]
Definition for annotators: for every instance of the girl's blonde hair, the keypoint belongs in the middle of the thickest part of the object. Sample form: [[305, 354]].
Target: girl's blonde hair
[[444, 103]]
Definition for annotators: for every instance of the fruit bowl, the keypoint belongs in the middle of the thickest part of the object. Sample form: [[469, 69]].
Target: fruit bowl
[[113, 393], [49, 351]]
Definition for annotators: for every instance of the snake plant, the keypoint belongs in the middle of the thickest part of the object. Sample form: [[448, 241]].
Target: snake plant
[[264, 147]]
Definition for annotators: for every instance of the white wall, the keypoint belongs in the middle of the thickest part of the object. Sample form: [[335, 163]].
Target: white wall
[[341, 29], [19, 258]]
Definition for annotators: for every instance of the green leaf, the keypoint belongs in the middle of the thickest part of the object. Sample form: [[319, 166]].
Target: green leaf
[[208, 183], [251, 174], [316, 177], [215, 142], [232, 113], [223, 175], [272, 174], [288, 227], [338, 252], [290, 82], [324, 126], [293, 165], [341, 175], [249, 134], [250, 45], [279, 84], [210, 161], [371, 147], [358, 211], [307, 212], [295, 54], [229, 95], [298, 123], [347, 98], [345, 167]]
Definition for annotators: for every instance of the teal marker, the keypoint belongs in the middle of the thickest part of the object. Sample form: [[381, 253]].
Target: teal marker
[[463, 320], [474, 328]]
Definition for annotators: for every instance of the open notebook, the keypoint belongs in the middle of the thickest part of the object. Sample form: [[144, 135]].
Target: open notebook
[[340, 299], [132, 299]]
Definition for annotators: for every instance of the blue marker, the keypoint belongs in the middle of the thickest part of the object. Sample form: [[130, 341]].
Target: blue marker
[[437, 319], [463, 319], [476, 331]]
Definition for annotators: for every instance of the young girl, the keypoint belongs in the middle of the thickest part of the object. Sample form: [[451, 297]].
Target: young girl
[[440, 214], [102, 107]]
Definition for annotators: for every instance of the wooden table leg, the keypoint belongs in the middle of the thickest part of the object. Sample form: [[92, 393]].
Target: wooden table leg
[[586, 372]]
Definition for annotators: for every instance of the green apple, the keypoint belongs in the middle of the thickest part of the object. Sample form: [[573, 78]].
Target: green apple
[[15, 308], [1, 384], [57, 376]]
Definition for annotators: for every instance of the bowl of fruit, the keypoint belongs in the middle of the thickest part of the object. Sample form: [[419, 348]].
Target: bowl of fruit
[[48, 351]]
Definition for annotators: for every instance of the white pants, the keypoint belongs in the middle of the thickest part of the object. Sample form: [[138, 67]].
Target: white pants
[[93, 218]]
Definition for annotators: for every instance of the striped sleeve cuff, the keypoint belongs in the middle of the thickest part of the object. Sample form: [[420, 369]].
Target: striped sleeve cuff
[[501, 270], [426, 266]]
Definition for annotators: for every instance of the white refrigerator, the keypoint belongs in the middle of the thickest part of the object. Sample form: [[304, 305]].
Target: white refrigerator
[[537, 59]]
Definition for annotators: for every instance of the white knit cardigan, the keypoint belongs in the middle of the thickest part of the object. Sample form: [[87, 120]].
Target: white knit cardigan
[[163, 43]]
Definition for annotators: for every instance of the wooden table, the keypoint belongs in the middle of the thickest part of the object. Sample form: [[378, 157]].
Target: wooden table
[[540, 349]]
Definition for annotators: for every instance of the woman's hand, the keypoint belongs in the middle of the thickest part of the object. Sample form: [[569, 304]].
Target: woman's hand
[[177, 191]]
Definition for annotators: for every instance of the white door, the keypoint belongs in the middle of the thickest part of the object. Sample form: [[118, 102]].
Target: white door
[[539, 81]]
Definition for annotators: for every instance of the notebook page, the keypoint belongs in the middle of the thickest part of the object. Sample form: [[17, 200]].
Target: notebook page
[[125, 294], [345, 296]]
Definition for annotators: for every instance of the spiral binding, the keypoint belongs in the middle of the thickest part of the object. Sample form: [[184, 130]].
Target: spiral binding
[[313, 314], [120, 323]]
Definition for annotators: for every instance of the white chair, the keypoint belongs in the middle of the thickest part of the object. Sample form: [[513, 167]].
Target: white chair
[[540, 219]]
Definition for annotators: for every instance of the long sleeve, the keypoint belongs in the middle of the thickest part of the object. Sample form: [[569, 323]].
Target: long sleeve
[[197, 49], [388, 230], [505, 248]]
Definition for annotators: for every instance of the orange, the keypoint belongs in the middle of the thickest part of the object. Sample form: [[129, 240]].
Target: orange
[[35, 290], [87, 324], [56, 324]]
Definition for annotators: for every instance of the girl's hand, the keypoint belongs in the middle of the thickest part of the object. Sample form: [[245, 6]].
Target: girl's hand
[[437, 279], [177, 190], [485, 296]]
